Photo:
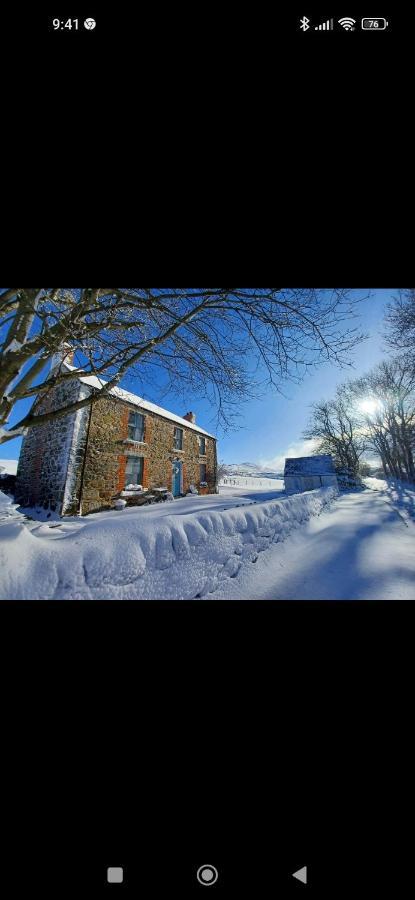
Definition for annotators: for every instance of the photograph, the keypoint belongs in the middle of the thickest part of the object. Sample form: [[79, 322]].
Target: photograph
[[207, 444]]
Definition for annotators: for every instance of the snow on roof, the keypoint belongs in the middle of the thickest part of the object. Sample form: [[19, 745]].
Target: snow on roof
[[95, 382], [309, 465]]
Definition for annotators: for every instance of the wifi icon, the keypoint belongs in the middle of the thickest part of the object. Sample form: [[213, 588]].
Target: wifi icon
[[347, 24]]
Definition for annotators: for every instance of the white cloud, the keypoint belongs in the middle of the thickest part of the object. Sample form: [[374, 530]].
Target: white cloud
[[297, 448]]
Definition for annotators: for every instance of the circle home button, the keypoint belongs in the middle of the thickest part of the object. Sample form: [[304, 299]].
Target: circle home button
[[207, 875]]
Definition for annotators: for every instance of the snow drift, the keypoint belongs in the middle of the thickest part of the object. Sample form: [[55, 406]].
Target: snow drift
[[124, 555]]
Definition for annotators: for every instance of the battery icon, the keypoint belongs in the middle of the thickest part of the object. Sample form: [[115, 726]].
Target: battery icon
[[374, 24]]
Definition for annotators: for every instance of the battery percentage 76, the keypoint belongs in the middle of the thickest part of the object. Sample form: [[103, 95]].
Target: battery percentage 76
[[374, 24]]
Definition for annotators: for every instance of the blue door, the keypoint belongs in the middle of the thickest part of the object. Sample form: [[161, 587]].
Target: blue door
[[177, 478]]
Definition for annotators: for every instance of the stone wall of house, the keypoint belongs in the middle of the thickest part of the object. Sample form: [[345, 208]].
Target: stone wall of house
[[51, 455], [102, 460], [108, 448]]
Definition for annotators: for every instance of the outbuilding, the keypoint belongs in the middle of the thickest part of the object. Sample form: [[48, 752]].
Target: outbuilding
[[306, 473]]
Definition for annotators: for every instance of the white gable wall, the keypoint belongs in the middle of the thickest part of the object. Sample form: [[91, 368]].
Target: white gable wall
[[297, 484]]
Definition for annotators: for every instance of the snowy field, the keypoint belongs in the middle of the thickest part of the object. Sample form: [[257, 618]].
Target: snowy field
[[242, 543], [177, 550], [253, 481]]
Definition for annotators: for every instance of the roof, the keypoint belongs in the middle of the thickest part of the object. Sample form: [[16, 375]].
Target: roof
[[95, 382], [309, 465]]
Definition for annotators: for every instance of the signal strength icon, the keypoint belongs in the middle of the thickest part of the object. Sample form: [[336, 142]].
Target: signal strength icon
[[325, 26], [347, 23]]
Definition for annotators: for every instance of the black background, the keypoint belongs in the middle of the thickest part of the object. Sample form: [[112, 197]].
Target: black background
[[162, 736]]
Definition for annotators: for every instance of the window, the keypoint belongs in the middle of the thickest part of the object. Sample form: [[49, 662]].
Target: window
[[202, 472], [136, 427], [178, 439], [202, 446], [134, 470]]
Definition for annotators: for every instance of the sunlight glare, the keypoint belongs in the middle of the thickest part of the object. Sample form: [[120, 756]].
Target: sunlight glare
[[369, 406]]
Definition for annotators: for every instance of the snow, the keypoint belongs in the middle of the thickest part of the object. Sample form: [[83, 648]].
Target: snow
[[8, 466], [150, 553], [39, 514], [241, 544], [69, 451], [309, 465], [399, 494], [358, 549], [7, 507], [253, 481]]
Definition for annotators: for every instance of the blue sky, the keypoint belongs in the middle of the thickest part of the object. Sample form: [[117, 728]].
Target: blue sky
[[273, 427], [270, 428]]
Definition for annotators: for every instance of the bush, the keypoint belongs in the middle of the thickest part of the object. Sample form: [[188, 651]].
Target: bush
[[7, 483], [348, 480]]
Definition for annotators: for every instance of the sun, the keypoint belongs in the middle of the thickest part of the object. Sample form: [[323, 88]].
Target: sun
[[369, 406]]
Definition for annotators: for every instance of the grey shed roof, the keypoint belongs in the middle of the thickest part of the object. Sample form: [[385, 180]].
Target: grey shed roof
[[309, 465]]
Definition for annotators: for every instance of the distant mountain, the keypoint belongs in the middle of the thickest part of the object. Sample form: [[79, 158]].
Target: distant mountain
[[253, 469]]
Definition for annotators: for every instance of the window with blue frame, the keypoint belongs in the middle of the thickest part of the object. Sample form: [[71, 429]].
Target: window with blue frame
[[178, 439], [136, 427]]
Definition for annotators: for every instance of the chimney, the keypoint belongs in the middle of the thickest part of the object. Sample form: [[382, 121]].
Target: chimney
[[190, 417]]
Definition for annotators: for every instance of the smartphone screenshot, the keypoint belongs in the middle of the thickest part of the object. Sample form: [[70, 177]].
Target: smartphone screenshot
[[207, 494]]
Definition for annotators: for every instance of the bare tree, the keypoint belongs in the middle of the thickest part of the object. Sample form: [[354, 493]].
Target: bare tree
[[221, 343], [390, 423], [400, 321], [336, 427], [222, 470]]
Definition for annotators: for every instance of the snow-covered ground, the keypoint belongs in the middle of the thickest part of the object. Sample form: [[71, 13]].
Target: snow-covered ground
[[360, 548], [399, 494], [253, 481], [177, 550], [241, 544], [229, 497]]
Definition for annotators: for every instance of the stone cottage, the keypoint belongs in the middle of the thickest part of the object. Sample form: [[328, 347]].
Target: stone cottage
[[77, 463], [306, 473]]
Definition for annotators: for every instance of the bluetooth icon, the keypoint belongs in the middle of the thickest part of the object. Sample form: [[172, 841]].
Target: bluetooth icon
[[304, 23]]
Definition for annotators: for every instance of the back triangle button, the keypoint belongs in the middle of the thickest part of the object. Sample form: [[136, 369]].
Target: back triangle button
[[301, 875]]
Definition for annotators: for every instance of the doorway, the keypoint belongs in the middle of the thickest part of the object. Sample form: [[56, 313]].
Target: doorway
[[177, 477]]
